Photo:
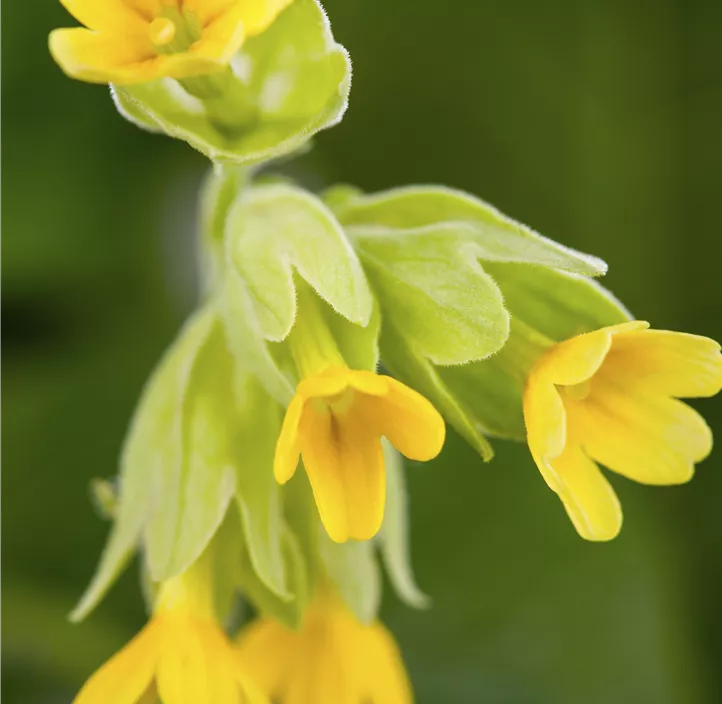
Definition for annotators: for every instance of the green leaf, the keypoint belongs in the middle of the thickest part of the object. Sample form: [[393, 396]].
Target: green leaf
[[426, 249], [250, 349], [403, 360], [153, 440], [393, 538], [546, 306], [359, 346], [220, 189], [353, 569], [288, 83], [557, 304], [491, 390], [432, 288], [192, 496], [274, 230], [337, 197], [257, 493], [289, 611], [419, 210]]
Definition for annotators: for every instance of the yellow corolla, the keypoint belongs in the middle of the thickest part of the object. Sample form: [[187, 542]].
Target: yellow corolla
[[611, 396], [181, 656], [332, 659], [133, 41], [335, 421]]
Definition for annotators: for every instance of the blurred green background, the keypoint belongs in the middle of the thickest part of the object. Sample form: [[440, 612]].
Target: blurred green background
[[596, 123]]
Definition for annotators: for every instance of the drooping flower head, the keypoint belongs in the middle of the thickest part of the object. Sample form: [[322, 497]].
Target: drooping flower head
[[134, 41], [332, 659], [182, 655], [611, 397], [336, 421]]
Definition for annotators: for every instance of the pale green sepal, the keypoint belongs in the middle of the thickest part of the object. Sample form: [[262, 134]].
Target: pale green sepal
[[191, 496], [359, 346], [393, 538], [546, 306], [132, 110], [220, 188], [251, 350], [289, 611], [153, 440], [557, 304], [288, 83], [257, 493], [274, 230], [353, 569], [104, 496], [491, 390], [433, 289], [339, 196], [449, 213], [302, 517], [402, 359]]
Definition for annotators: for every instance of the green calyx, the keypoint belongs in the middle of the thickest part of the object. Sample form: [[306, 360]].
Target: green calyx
[[311, 342]]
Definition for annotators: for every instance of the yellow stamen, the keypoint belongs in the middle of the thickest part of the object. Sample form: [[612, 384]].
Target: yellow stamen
[[162, 31]]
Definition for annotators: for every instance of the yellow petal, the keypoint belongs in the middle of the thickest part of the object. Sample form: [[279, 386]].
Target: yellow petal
[[287, 447], [545, 420], [149, 9], [127, 675], [182, 674], [361, 463], [208, 10], [223, 36], [222, 682], [256, 15], [112, 16], [386, 681], [255, 642], [345, 466], [97, 58], [171, 66], [319, 459], [330, 382], [408, 420], [651, 439], [587, 496], [322, 669], [575, 360], [671, 363], [259, 15], [368, 382]]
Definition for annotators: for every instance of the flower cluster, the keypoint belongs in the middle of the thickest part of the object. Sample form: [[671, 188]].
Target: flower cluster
[[477, 322]]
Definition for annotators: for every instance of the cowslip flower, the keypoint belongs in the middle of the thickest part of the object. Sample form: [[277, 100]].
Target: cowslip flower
[[611, 397], [335, 422], [180, 656], [134, 41], [332, 659]]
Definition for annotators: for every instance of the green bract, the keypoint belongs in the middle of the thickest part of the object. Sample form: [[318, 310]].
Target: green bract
[[547, 306], [202, 435], [436, 259], [393, 539], [277, 237], [284, 85]]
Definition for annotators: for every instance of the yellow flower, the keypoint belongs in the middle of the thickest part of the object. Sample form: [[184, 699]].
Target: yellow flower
[[335, 421], [332, 659], [611, 396], [181, 656], [133, 41]]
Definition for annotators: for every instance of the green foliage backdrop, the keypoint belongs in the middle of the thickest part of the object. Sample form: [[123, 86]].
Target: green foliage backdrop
[[595, 122]]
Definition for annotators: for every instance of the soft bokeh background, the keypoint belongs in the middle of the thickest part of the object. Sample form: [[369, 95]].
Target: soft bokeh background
[[597, 123]]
